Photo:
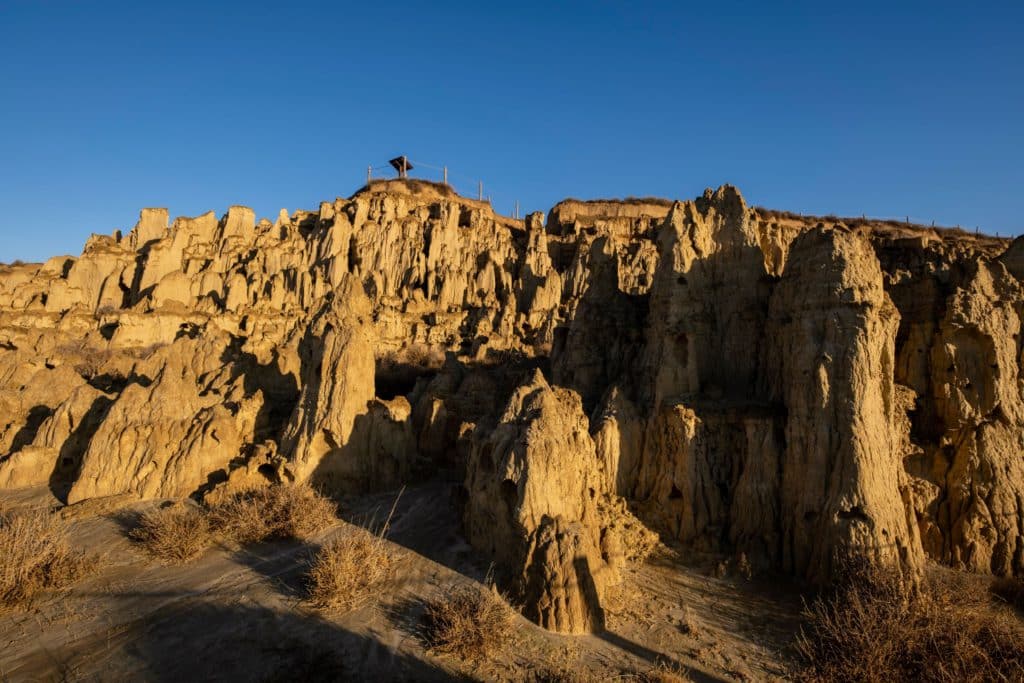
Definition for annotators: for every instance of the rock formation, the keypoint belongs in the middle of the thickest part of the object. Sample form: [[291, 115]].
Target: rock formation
[[793, 389]]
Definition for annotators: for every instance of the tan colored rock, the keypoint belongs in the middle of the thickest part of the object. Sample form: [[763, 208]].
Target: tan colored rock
[[533, 485], [832, 329], [181, 419], [337, 382], [54, 455], [339, 436], [975, 372], [560, 591], [262, 467], [786, 387]]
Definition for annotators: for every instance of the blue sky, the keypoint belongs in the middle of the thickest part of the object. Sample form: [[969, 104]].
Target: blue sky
[[890, 109]]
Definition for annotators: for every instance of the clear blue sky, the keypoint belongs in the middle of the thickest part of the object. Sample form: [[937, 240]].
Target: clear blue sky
[[888, 109]]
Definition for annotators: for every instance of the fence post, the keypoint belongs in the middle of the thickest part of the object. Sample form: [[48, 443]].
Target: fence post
[[369, 174], [480, 191], [445, 175]]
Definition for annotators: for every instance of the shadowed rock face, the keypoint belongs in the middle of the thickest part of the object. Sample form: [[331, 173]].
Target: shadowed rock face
[[799, 391]]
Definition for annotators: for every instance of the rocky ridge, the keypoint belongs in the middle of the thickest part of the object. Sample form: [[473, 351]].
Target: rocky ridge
[[793, 390]]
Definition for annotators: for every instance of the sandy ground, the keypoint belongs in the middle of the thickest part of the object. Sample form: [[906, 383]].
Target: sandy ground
[[237, 614]]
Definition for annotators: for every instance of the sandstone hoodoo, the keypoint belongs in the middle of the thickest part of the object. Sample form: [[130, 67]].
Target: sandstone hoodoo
[[797, 391]]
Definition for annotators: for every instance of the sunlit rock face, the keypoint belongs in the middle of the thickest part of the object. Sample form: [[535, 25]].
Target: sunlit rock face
[[796, 390]]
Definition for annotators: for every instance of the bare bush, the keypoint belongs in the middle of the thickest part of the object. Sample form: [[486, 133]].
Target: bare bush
[[688, 624], [876, 628], [347, 569], [663, 672], [281, 511], [176, 533], [564, 672], [35, 556], [415, 355], [470, 622], [570, 671]]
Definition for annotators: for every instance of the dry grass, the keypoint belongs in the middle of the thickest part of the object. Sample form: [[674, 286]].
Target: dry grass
[[35, 556], [630, 200], [570, 673], [874, 628], [1010, 590], [175, 533], [281, 511], [688, 624], [470, 622], [874, 223], [414, 357], [573, 672], [346, 570], [413, 184], [663, 672]]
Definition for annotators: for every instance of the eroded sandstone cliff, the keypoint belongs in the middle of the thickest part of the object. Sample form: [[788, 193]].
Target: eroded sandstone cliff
[[792, 389]]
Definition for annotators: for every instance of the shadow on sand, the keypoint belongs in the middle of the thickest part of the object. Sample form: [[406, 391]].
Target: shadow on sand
[[196, 640]]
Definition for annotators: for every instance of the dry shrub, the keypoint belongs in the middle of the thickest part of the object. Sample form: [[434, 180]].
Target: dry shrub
[[280, 511], [688, 624], [415, 355], [663, 672], [875, 628], [1010, 590], [470, 622], [176, 533], [573, 672], [35, 556], [563, 672], [347, 569]]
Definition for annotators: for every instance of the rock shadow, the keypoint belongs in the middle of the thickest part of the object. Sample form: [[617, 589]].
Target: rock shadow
[[27, 434], [280, 389], [210, 640], [69, 458], [426, 520], [282, 563]]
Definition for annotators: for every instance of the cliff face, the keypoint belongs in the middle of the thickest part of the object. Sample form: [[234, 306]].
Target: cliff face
[[796, 390]]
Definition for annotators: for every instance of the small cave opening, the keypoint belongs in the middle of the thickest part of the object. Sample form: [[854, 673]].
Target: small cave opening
[[107, 331], [268, 472]]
